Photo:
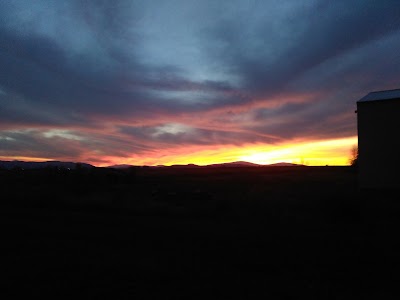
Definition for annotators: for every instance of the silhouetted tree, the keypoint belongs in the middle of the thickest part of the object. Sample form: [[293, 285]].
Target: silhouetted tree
[[354, 156]]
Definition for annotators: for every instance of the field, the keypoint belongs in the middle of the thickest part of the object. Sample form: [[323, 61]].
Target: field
[[201, 233]]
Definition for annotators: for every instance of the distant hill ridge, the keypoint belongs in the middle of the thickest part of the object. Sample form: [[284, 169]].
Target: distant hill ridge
[[9, 165], [225, 165], [249, 164], [235, 164]]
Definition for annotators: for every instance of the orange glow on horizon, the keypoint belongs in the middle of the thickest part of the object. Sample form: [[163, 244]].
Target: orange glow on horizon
[[25, 158], [313, 153]]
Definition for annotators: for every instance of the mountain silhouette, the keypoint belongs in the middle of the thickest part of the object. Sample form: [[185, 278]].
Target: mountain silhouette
[[9, 165]]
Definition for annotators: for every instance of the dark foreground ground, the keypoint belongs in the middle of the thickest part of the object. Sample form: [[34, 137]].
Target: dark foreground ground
[[273, 233]]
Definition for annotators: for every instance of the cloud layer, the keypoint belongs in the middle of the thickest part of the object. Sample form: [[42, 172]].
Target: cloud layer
[[101, 81]]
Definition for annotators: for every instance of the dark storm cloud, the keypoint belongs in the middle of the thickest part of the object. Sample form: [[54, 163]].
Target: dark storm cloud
[[300, 41], [230, 72], [103, 80], [331, 47], [67, 144], [33, 143], [173, 134], [313, 121], [44, 73]]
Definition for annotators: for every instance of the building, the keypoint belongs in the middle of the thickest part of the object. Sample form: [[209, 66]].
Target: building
[[378, 124]]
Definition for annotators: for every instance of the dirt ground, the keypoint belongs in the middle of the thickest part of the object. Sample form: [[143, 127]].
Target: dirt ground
[[200, 233]]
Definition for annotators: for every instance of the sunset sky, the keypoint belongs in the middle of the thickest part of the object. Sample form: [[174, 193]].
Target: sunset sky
[[177, 82]]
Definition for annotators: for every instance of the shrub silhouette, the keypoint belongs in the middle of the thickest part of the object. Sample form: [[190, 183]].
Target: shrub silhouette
[[354, 156]]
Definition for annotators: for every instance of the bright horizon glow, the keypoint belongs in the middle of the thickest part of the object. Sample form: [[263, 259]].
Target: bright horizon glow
[[317, 153], [26, 158], [313, 153]]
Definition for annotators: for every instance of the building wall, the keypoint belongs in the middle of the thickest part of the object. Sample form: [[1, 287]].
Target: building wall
[[378, 124]]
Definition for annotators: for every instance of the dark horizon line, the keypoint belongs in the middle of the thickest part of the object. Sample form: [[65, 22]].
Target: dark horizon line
[[232, 164]]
